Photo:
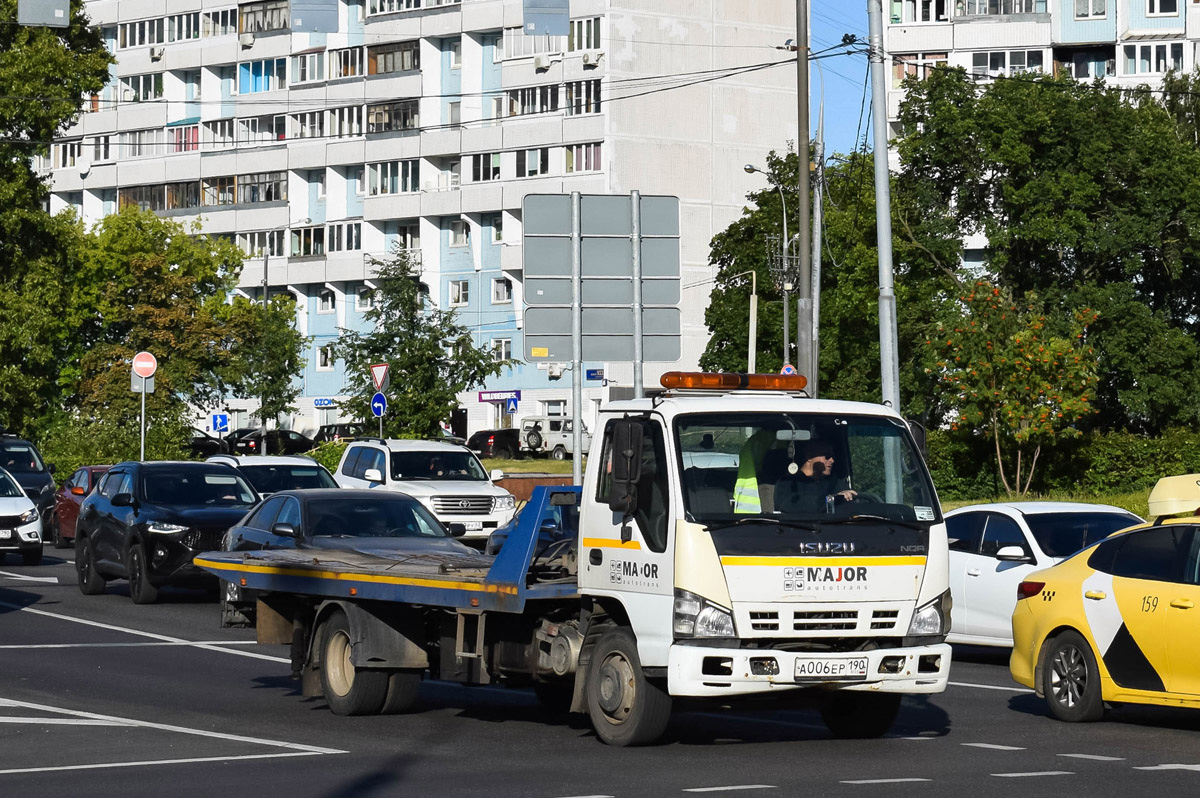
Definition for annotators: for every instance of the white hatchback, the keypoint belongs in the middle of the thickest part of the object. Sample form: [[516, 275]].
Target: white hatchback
[[993, 547], [20, 522]]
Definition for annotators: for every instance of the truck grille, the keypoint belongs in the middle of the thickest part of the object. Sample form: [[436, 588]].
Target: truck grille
[[203, 539], [884, 619], [764, 621], [821, 620], [462, 505], [825, 621]]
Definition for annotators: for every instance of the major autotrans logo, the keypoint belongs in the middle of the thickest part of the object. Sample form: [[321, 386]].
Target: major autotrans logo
[[633, 574], [826, 579]]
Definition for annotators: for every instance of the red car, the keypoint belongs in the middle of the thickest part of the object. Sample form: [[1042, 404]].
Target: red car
[[67, 501]]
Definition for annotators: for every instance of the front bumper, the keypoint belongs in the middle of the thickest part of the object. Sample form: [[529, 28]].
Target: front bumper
[[479, 527], [694, 670], [26, 537]]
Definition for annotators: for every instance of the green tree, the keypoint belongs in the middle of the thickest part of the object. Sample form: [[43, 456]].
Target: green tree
[[432, 358], [269, 354], [44, 73], [1015, 375]]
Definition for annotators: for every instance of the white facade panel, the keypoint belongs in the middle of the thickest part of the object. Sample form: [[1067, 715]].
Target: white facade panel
[[1000, 34]]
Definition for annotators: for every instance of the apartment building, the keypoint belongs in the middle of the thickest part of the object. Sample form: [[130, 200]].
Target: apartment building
[[422, 124]]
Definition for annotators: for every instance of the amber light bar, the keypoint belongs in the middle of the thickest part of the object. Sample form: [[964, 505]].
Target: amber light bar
[[721, 381]]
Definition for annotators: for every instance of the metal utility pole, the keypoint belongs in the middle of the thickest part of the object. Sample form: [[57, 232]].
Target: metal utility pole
[[889, 359], [635, 203], [818, 206], [577, 340], [262, 410], [805, 355]]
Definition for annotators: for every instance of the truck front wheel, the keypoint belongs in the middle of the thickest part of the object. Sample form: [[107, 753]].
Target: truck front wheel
[[858, 716], [348, 690], [625, 707]]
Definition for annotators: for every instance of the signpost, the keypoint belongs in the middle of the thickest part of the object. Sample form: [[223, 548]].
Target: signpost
[[601, 283], [144, 366]]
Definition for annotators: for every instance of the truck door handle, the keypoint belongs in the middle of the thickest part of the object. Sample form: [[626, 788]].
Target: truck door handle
[[973, 572], [1095, 595], [1182, 604], [595, 556]]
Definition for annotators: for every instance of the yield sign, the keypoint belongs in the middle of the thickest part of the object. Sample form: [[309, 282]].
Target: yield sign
[[379, 375]]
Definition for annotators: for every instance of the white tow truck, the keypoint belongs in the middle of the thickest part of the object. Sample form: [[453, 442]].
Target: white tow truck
[[734, 540]]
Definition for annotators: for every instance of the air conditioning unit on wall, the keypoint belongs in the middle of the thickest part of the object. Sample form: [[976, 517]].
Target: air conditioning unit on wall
[[246, 39], [592, 58], [156, 53], [541, 62]]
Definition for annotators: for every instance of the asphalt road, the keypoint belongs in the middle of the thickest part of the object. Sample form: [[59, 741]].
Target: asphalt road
[[101, 697]]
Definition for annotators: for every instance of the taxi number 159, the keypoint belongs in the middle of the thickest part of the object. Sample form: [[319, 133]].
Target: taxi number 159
[[1149, 603]]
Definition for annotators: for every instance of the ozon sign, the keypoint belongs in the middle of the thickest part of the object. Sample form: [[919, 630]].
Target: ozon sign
[[144, 365]]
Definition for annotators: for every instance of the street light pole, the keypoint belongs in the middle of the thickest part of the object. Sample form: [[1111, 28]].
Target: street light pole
[[805, 355], [787, 325], [262, 409]]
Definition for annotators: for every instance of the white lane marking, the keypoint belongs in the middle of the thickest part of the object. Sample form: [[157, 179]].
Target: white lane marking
[[587, 796], [140, 633], [63, 721], [1034, 774], [16, 646], [1169, 767], [881, 781], [733, 787], [237, 738], [991, 687], [147, 762], [1096, 757], [50, 580], [994, 747], [916, 738]]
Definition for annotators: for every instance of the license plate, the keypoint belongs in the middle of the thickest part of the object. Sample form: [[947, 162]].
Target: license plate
[[820, 669], [5, 534], [473, 526]]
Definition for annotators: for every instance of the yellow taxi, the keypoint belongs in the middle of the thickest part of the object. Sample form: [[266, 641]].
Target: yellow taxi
[[1120, 620]]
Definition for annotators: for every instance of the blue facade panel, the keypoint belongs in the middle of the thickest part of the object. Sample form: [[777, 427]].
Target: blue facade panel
[[451, 75], [1086, 31], [1139, 19]]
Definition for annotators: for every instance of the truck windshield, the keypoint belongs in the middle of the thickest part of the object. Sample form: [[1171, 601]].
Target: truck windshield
[[804, 467]]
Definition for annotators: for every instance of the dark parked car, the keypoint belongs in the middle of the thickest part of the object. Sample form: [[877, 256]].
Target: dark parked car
[[67, 501], [374, 522], [23, 461], [203, 445], [279, 441], [338, 432], [273, 473], [146, 521], [502, 443]]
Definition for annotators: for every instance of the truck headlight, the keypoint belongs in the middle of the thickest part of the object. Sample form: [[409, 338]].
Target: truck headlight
[[504, 503], [699, 617], [28, 516], [933, 618], [164, 528]]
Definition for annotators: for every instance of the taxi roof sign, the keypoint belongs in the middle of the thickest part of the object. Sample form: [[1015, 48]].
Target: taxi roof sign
[[1174, 495]]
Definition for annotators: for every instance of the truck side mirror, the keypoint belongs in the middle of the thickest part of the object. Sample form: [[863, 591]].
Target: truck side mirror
[[918, 432], [626, 466]]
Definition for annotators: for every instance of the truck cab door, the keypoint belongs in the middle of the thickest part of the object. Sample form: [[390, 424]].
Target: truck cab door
[[635, 566]]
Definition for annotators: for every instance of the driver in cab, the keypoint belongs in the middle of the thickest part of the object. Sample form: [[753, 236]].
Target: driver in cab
[[810, 484]]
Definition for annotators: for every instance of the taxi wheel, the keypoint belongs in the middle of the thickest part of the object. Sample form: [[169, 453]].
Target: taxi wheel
[[1071, 679], [348, 690]]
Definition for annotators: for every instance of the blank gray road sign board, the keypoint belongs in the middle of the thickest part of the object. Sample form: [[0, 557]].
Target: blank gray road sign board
[[50, 13], [606, 269]]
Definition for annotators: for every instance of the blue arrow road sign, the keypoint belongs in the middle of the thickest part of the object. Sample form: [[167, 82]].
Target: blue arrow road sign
[[378, 405], [510, 406], [220, 422]]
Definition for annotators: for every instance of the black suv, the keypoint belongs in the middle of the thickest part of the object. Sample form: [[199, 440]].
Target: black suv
[[502, 443], [146, 521], [21, 458]]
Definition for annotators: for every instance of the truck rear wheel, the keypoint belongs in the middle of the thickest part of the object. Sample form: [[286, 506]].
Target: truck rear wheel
[[858, 716], [348, 690], [625, 707], [402, 688]]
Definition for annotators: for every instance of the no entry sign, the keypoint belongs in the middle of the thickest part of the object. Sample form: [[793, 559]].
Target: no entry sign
[[144, 365]]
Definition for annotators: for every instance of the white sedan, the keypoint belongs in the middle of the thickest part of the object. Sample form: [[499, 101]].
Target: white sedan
[[993, 547]]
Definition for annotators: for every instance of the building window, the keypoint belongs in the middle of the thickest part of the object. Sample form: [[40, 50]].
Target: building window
[[1000, 63], [183, 195], [309, 125], [460, 233], [266, 75], [347, 63], [102, 148], [137, 143], [316, 177], [455, 112], [256, 243], [364, 298], [501, 291], [183, 27], [454, 47], [262, 129], [220, 190], [1093, 63], [391, 6], [393, 177], [582, 158], [583, 97], [460, 293], [140, 33], [308, 67], [485, 166], [496, 223], [220, 23], [402, 115], [346, 121], [389, 58], [517, 45], [308, 241], [147, 198], [531, 163], [262, 187], [532, 100], [973, 8], [263, 17], [65, 154], [1153, 59], [184, 138], [141, 88], [1159, 8], [325, 358], [325, 301], [918, 65], [345, 237], [585, 34], [218, 133], [925, 11], [1091, 9], [501, 349]]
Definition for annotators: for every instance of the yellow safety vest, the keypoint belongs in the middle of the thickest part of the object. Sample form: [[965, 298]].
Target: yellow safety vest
[[745, 490]]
